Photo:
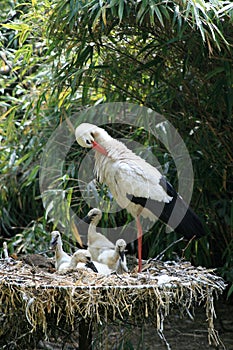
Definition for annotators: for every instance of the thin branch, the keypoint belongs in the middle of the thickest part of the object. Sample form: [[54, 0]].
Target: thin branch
[[159, 256]]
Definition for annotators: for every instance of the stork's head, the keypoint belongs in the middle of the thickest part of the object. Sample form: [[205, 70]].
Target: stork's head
[[55, 239], [91, 136], [84, 256], [120, 247], [93, 216]]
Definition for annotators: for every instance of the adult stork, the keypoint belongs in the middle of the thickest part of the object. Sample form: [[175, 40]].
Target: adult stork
[[136, 185]]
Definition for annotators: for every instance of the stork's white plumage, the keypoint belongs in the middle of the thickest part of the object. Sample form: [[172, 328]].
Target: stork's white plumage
[[61, 257], [115, 259], [102, 268], [5, 250], [136, 185], [96, 241]]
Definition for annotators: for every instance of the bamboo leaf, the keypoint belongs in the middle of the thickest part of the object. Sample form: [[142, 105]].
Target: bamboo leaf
[[4, 115], [76, 233], [142, 11], [104, 15], [225, 9], [96, 19], [199, 23], [164, 11], [214, 72], [230, 291], [121, 9], [159, 15]]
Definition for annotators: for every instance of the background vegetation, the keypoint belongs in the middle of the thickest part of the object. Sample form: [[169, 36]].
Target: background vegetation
[[172, 56]]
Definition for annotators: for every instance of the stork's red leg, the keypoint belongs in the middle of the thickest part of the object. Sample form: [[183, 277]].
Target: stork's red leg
[[139, 228]]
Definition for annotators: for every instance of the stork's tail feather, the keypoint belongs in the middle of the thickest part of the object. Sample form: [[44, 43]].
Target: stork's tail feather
[[176, 214], [190, 224]]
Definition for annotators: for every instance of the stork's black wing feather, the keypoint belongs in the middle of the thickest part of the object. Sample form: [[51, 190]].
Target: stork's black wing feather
[[177, 214]]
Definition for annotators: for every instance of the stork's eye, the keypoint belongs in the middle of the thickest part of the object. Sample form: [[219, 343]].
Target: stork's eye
[[88, 142]]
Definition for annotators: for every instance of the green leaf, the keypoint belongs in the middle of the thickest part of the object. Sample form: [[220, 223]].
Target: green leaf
[[143, 9], [226, 9], [164, 11], [121, 9], [214, 72], [96, 19], [230, 291], [159, 15]]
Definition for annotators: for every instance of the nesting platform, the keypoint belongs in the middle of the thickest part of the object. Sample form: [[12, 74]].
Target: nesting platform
[[38, 298]]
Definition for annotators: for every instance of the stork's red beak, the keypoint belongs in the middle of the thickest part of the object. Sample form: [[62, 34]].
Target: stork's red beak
[[99, 148]]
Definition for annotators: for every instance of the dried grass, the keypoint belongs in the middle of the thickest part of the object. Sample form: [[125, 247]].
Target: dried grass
[[143, 297]]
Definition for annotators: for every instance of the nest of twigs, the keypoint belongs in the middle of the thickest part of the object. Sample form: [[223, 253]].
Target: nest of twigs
[[42, 297]]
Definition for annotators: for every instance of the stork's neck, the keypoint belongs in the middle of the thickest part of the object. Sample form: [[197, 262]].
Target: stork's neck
[[116, 150], [92, 229], [101, 136], [59, 251], [95, 220], [92, 235]]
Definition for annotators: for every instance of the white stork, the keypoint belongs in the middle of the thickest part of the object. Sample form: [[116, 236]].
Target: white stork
[[101, 248], [96, 242], [81, 259], [61, 257], [136, 185], [115, 259]]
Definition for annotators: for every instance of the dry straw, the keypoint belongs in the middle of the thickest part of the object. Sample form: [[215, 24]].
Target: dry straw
[[149, 296]]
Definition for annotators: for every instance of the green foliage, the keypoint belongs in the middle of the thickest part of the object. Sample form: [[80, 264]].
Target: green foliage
[[33, 239], [172, 56], [24, 114], [176, 58]]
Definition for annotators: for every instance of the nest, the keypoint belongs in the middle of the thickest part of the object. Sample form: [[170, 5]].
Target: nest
[[36, 296]]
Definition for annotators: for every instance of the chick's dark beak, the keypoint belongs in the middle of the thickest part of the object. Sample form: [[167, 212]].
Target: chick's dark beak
[[91, 265], [122, 255], [53, 243], [87, 219]]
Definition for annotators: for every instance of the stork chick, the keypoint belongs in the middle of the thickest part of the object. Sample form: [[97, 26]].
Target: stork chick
[[61, 257], [103, 269], [81, 259], [95, 240], [115, 259]]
